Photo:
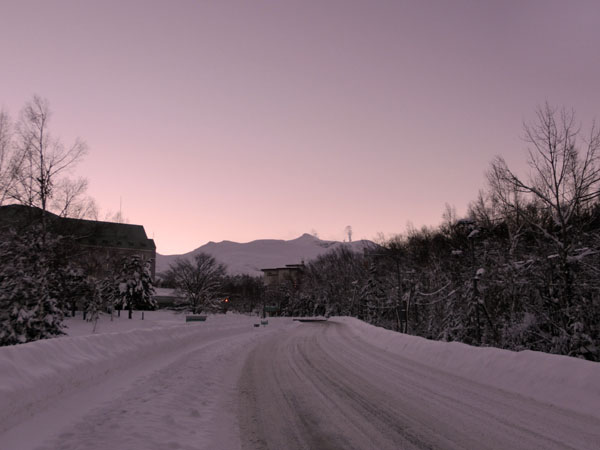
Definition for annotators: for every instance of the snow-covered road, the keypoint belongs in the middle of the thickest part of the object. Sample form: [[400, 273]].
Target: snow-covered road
[[64, 393], [342, 384], [318, 386], [176, 407]]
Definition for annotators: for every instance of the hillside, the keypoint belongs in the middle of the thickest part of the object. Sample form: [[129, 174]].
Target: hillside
[[249, 258]]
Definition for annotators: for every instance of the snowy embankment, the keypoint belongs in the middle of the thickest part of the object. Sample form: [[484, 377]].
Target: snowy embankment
[[36, 375], [558, 380]]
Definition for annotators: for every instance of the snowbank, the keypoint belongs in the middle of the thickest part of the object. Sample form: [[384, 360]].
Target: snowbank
[[76, 326], [559, 380], [35, 374]]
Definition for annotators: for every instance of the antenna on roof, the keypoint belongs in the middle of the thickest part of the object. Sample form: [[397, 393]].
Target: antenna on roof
[[120, 208]]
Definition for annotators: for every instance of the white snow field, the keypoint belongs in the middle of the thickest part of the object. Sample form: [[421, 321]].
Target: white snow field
[[340, 384]]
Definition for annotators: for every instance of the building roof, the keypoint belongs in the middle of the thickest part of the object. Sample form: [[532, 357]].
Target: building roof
[[86, 232], [108, 234]]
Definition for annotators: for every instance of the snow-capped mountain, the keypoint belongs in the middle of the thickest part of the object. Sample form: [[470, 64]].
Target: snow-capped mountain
[[250, 257]]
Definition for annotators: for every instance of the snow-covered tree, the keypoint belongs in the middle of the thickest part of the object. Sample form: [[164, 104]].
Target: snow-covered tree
[[109, 292], [135, 284], [330, 282], [29, 308], [95, 301]]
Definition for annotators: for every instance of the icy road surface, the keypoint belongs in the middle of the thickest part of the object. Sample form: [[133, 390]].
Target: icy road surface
[[317, 386]]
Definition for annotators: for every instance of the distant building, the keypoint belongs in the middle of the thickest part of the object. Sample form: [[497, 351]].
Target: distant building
[[166, 297], [279, 275], [100, 244]]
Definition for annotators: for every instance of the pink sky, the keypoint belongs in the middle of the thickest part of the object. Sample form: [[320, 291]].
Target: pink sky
[[267, 119]]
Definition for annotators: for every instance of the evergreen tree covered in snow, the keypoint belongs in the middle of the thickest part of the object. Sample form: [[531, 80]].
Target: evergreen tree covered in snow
[[29, 309], [135, 284], [109, 292], [95, 301]]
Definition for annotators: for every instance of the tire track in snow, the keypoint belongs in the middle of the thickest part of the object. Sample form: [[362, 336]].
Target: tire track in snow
[[319, 387], [188, 405]]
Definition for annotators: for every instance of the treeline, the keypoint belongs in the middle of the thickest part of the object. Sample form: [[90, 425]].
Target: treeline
[[521, 271]]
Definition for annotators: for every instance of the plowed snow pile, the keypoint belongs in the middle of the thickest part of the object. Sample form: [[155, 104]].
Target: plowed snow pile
[[559, 380]]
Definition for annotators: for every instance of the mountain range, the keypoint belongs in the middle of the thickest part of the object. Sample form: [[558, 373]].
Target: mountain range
[[249, 258]]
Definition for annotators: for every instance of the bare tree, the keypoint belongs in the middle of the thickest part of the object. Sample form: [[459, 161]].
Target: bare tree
[[563, 182], [9, 159], [449, 217], [70, 199], [504, 203], [43, 157], [565, 175], [198, 280]]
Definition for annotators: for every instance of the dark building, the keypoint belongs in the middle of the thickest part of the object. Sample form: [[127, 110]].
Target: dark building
[[289, 273], [167, 297], [99, 244]]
